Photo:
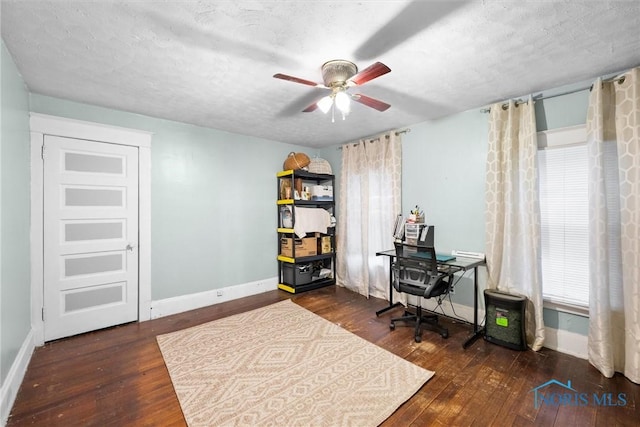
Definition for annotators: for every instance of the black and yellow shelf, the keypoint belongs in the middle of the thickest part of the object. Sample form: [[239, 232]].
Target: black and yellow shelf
[[300, 272]]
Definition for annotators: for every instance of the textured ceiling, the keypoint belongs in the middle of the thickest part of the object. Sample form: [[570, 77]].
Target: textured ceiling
[[211, 63]]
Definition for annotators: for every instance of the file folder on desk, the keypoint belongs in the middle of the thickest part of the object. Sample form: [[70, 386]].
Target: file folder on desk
[[439, 256]]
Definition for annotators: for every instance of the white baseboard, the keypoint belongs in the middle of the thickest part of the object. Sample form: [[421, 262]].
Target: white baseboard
[[169, 306], [567, 342], [10, 386]]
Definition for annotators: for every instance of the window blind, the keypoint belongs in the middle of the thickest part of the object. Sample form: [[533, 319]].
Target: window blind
[[564, 221]]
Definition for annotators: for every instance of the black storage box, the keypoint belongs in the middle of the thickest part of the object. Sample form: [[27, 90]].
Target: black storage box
[[303, 273], [505, 319]]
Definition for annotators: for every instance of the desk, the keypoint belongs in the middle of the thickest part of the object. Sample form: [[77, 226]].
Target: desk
[[458, 264]]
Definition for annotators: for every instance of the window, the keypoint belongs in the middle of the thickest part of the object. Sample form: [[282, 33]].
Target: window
[[564, 215]]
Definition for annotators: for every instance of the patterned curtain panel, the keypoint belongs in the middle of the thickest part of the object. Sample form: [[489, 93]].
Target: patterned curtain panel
[[369, 201], [512, 210], [613, 140]]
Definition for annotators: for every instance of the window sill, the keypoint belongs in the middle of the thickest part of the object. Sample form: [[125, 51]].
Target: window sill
[[578, 310]]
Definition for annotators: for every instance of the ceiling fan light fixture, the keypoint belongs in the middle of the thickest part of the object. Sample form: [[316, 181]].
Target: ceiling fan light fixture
[[343, 102], [325, 104]]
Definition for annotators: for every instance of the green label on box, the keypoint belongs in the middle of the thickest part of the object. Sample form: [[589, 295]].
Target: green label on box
[[502, 321]]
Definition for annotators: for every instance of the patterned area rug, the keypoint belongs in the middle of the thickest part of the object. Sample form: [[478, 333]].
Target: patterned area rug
[[284, 365]]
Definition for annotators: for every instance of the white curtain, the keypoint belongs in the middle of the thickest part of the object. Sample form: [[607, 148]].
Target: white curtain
[[613, 141], [369, 201], [512, 210]]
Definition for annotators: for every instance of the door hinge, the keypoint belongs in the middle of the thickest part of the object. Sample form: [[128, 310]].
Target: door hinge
[[43, 314], [42, 152]]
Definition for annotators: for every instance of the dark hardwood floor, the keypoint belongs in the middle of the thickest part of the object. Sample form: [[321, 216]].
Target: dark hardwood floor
[[117, 377]]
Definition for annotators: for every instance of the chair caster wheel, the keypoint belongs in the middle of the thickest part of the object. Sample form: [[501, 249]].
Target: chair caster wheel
[[445, 335], [418, 339], [392, 326]]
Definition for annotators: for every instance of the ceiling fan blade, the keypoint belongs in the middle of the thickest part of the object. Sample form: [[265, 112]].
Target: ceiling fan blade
[[297, 80], [311, 108], [371, 72], [370, 102]]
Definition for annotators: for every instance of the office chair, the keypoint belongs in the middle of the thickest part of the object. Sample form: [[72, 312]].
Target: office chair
[[422, 279]]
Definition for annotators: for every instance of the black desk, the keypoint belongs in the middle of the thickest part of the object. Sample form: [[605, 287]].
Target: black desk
[[458, 264]]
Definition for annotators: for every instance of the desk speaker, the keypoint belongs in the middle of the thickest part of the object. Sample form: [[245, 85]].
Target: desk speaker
[[505, 321]]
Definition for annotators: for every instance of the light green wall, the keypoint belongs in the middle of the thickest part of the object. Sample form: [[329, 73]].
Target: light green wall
[[443, 164], [15, 317], [213, 212], [562, 111]]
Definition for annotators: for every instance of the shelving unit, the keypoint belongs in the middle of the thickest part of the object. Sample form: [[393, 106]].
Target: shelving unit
[[314, 266]]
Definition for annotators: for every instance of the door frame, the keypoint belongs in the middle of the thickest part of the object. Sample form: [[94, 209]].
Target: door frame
[[43, 124]]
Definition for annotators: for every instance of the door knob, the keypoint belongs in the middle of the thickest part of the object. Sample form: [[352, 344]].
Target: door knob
[[130, 247]]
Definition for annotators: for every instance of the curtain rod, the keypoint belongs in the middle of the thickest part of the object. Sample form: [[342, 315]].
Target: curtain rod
[[398, 132], [619, 78]]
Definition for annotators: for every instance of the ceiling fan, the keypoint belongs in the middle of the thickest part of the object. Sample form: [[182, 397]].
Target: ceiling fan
[[338, 76]]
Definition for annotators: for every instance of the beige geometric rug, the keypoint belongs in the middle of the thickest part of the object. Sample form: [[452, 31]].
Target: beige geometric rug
[[283, 365]]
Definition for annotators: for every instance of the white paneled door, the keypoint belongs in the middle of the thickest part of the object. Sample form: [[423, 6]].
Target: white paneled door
[[90, 235]]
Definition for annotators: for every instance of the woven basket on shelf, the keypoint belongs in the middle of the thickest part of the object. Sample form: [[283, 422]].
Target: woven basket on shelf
[[296, 161], [318, 165]]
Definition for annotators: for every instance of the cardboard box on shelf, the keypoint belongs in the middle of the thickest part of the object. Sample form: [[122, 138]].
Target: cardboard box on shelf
[[304, 247], [325, 244]]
